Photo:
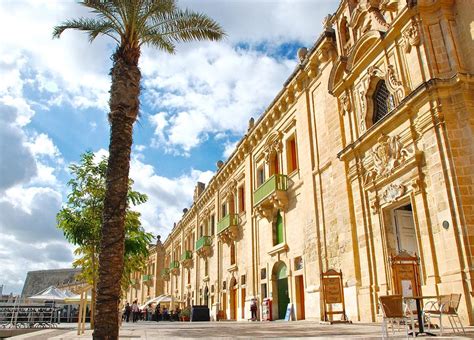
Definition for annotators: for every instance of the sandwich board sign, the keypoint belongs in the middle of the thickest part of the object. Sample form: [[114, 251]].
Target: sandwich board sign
[[333, 296]]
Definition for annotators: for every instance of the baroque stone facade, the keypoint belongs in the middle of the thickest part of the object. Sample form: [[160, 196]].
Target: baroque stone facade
[[367, 152]]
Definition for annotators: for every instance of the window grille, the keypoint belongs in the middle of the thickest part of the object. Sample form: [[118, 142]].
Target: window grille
[[383, 102]]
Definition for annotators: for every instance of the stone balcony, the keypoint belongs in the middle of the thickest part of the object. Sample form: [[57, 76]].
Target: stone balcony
[[228, 228], [148, 279], [165, 274], [271, 196], [174, 268], [204, 246], [187, 259]]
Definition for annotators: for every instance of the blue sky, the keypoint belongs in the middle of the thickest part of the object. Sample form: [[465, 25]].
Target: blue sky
[[195, 107]]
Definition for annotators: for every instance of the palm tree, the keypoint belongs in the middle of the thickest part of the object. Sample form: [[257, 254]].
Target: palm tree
[[132, 24]]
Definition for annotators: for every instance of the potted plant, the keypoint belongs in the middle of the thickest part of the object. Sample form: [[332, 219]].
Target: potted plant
[[185, 314]]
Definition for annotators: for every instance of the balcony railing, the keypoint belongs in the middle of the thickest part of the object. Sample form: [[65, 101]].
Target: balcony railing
[[165, 273], [202, 242], [147, 278], [174, 265], [226, 222], [187, 255], [275, 183]]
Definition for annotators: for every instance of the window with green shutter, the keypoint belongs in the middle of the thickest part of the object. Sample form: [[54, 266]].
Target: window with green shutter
[[278, 229]]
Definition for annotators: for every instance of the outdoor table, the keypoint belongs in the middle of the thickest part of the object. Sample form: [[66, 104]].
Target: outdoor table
[[419, 312]]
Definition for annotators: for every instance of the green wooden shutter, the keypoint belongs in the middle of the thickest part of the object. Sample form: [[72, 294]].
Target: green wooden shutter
[[279, 228]]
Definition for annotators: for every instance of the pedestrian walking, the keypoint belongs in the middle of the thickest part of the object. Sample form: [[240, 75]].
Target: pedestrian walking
[[128, 311], [135, 311]]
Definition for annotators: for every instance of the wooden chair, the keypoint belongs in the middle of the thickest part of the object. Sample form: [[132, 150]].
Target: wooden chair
[[446, 305], [393, 311]]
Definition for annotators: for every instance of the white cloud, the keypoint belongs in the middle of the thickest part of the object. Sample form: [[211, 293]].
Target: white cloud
[[167, 197], [32, 57], [267, 20], [240, 82], [17, 163], [229, 147], [159, 122], [43, 145]]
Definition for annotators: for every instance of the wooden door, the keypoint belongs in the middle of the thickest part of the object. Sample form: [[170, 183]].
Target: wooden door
[[405, 228], [242, 304], [299, 287], [233, 304], [283, 298], [224, 305]]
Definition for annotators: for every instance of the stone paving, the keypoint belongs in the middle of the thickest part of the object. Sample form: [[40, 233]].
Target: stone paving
[[229, 330]]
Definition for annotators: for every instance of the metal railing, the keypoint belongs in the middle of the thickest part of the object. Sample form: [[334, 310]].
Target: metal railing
[[203, 241], [174, 265], [226, 222], [187, 255], [29, 316], [275, 183], [147, 278]]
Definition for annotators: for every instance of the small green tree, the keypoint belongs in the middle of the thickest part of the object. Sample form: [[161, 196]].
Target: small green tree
[[80, 219]]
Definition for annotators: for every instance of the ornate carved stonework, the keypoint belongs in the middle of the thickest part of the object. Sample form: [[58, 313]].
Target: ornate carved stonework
[[328, 22], [273, 145], [346, 103], [387, 155], [268, 208], [187, 263], [204, 251], [392, 192], [229, 235], [363, 110], [394, 86], [375, 206], [411, 36]]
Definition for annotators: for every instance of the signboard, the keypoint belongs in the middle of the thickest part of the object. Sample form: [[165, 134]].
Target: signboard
[[290, 313], [332, 290], [333, 296], [406, 279]]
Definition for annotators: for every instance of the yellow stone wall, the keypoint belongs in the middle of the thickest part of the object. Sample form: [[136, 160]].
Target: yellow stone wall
[[338, 206]]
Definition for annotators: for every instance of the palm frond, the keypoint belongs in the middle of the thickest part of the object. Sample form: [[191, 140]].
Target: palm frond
[[155, 38], [93, 27], [108, 11], [184, 26]]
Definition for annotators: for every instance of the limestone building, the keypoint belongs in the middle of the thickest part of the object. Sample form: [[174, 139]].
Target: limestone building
[[367, 152]]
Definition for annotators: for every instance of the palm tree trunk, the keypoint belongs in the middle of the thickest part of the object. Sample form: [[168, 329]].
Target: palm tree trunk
[[124, 105]]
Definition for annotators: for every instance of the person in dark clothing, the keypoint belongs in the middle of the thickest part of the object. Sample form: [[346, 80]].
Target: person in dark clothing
[[157, 313], [253, 309], [128, 311]]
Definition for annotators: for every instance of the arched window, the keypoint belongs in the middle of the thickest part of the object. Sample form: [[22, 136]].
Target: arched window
[[383, 101]]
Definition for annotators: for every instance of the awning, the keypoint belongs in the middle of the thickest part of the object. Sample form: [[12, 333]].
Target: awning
[[159, 299]]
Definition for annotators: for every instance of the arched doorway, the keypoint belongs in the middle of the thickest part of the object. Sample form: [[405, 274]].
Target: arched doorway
[[233, 299], [280, 288]]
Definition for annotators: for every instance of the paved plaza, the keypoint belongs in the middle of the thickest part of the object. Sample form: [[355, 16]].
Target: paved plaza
[[245, 330]]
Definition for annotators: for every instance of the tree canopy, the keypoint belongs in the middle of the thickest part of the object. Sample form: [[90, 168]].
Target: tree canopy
[[80, 219]]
